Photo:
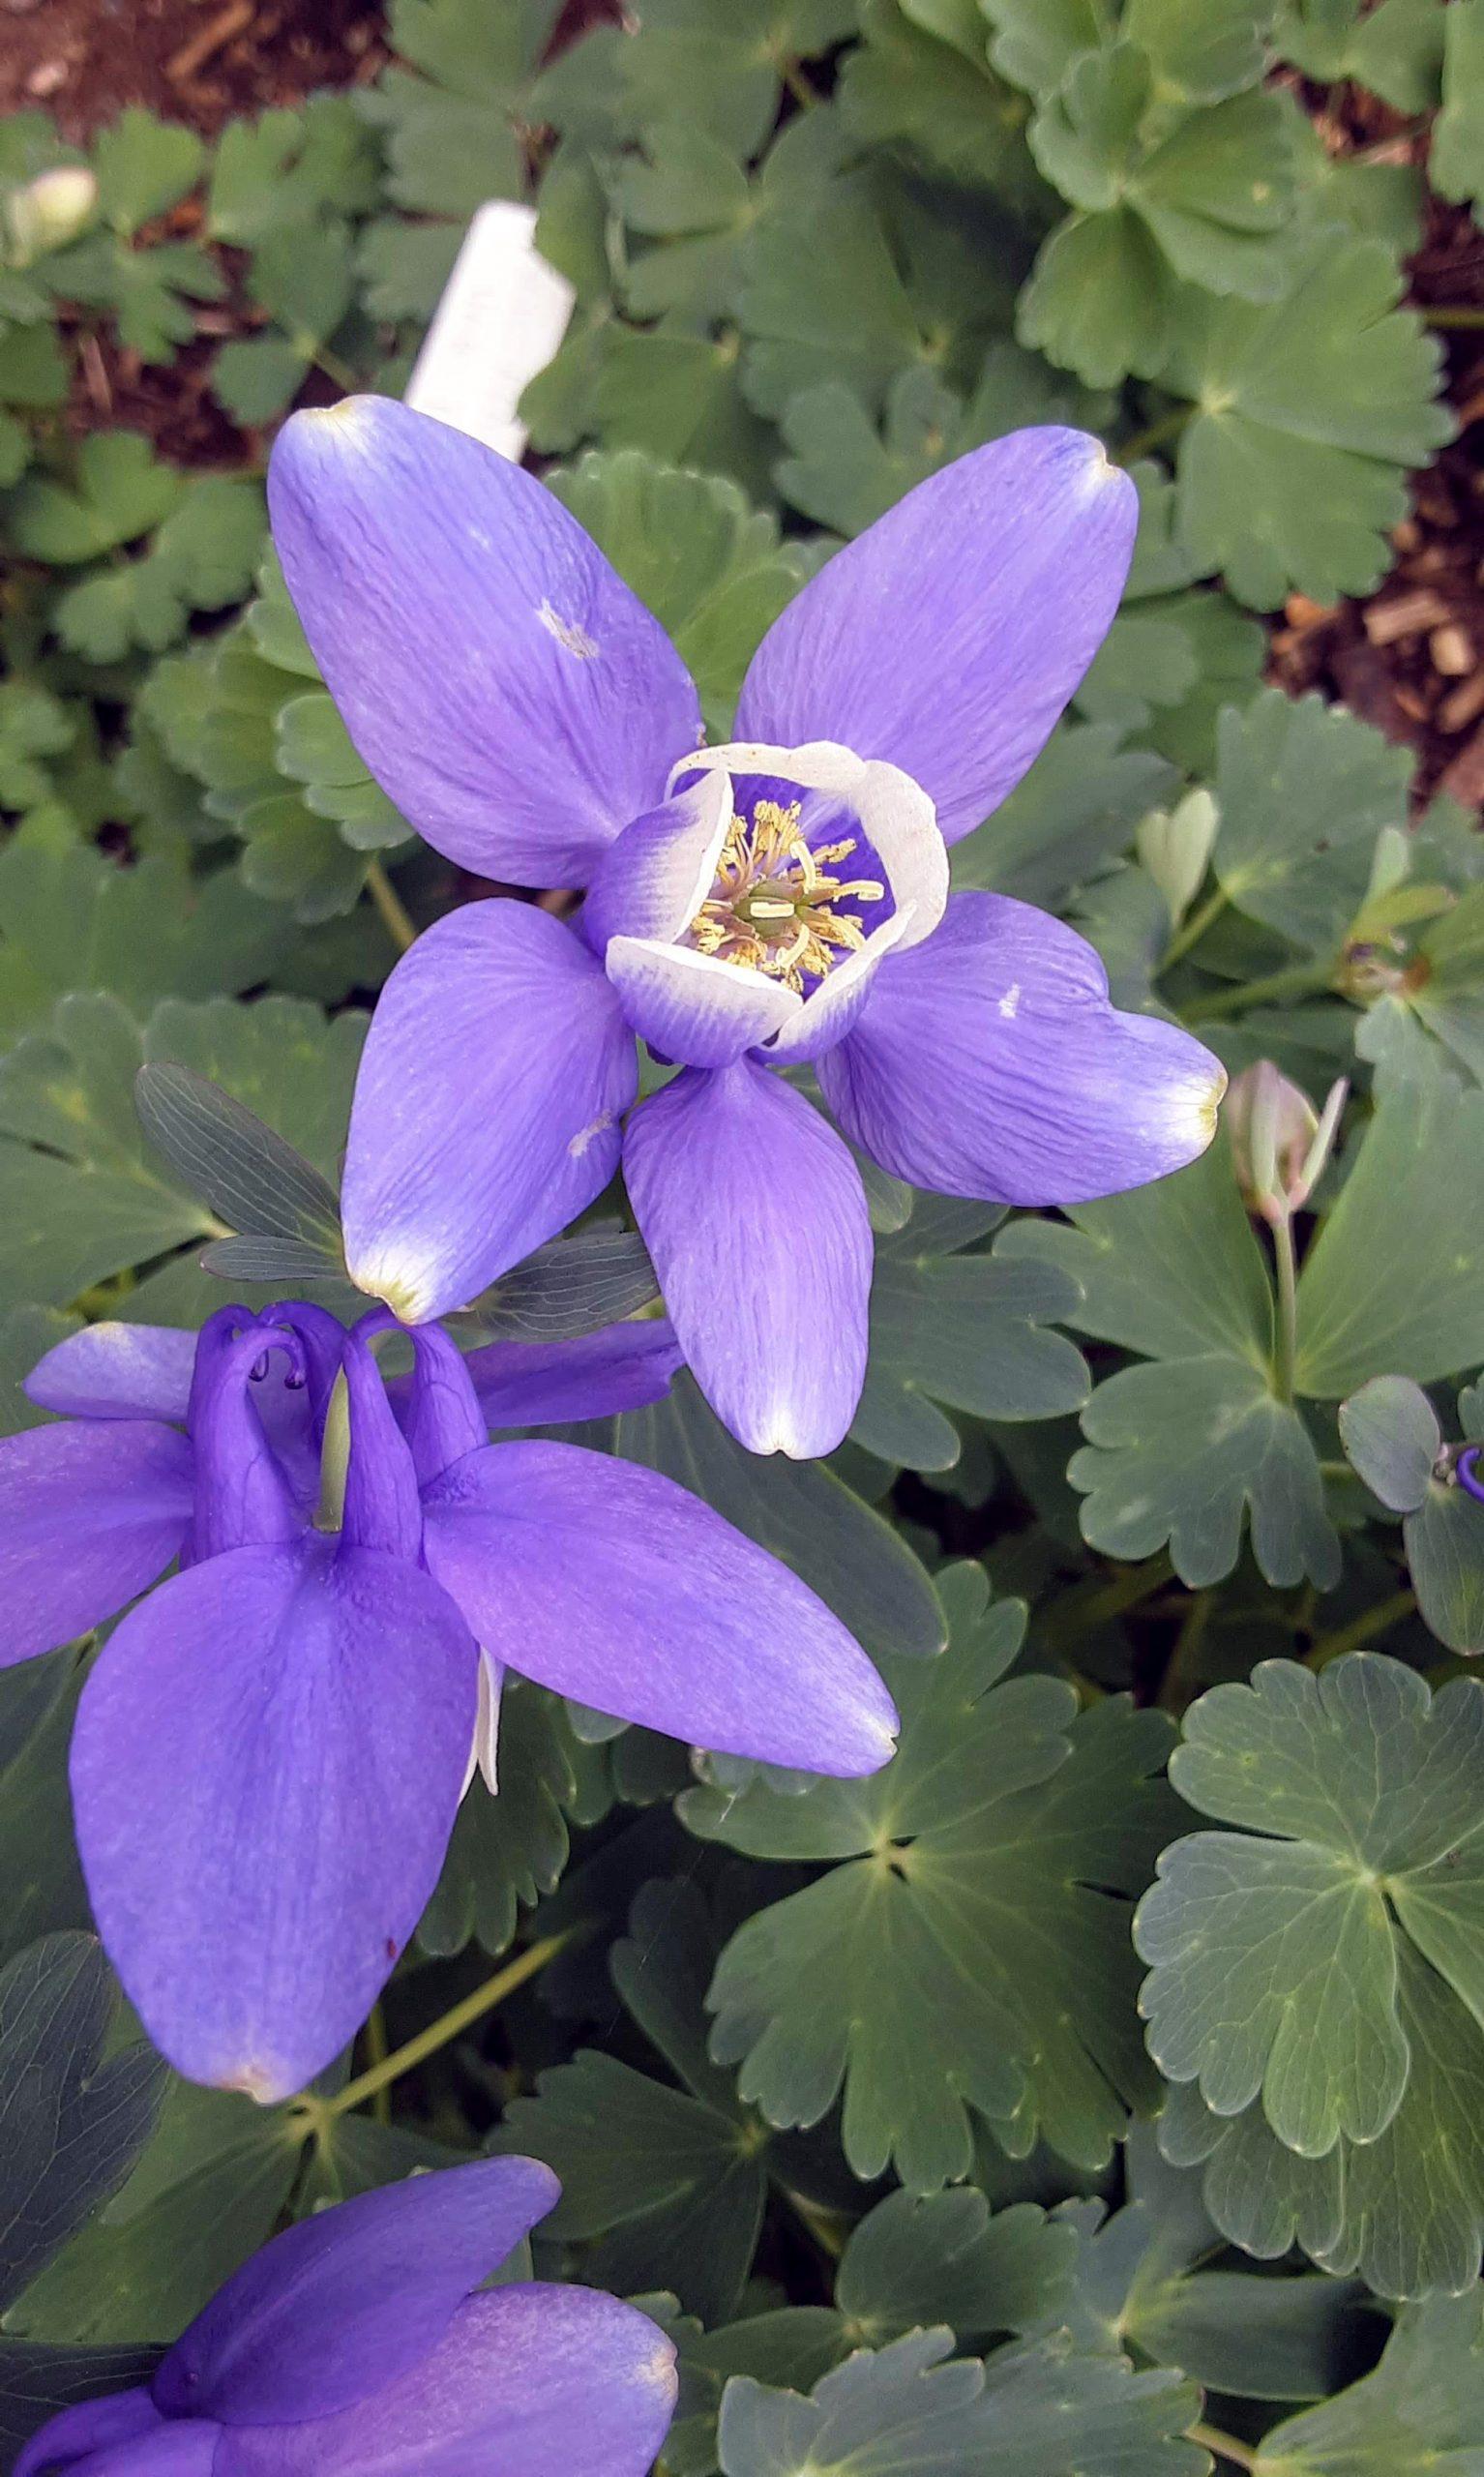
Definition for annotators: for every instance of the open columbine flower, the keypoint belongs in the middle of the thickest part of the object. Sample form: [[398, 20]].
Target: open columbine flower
[[271, 1749], [359, 2344], [780, 900]]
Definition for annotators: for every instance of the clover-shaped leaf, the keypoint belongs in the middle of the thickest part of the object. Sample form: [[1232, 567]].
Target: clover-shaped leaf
[[972, 1859], [1274, 1959]]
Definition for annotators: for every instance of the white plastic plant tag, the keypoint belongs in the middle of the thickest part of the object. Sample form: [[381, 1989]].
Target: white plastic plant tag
[[502, 314]]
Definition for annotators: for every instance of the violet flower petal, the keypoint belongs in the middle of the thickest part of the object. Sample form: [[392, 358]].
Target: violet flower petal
[[611, 1584], [343, 2304], [92, 2426], [244, 1496], [990, 1063], [174, 2447], [756, 1217], [537, 1385], [113, 1371], [530, 2381], [89, 1517], [506, 689], [949, 636], [486, 1111], [265, 1769], [437, 1406], [653, 880], [695, 1008]]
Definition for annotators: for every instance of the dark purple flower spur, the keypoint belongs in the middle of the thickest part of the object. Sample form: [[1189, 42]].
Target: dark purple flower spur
[[360, 2344], [777, 902], [270, 1751]]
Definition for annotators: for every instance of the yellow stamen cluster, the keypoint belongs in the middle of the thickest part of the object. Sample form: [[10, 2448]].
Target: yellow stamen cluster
[[771, 909]]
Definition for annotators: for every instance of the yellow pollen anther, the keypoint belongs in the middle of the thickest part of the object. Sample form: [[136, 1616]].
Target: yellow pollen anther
[[771, 905]]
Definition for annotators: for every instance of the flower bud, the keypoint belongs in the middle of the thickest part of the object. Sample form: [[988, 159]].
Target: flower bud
[[1280, 1142], [1176, 846], [50, 211]]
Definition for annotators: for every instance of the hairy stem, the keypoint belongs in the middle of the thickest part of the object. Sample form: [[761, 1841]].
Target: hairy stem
[[1286, 1322], [1159, 433], [1298, 980], [1364, 1629]]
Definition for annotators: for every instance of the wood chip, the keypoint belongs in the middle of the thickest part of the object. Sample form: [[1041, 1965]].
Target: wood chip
[[1452, 651], [193, 56], [1463, 779], [1464, 706], [1408, 615]]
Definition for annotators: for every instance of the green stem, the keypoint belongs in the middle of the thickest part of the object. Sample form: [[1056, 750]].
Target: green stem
[[1158, 435], [798, 85], [1171, 1695], [1286, 1322], [819, 2225], [1364, 1629], [333, 367], [1195, 927], [1453, 317], [1226, 2446], [377, 2049], [1298, 980], [1126, 1590], [450, 2024], [399, 920]]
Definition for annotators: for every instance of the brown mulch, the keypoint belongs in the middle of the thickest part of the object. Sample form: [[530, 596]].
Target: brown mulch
[[200, 61], [1409, 657]]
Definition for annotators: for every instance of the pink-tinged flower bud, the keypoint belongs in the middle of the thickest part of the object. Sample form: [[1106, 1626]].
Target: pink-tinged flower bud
[[48, 212], [1280, 1142]]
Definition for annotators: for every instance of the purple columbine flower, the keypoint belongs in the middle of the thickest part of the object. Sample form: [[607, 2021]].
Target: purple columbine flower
[[271, 1749], [354, 2346], [778, 900]]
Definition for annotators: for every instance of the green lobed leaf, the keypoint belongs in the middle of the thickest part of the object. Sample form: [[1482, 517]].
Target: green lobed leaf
[[1275, 1962], [906, 2409], [972, 1858], [1289, 470], [960, 1331]]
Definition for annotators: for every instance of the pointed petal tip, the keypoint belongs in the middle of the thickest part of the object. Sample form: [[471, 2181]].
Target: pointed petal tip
[[409, 1287]]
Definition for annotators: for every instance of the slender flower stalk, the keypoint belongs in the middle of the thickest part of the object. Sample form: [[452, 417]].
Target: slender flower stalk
[[778, 902]]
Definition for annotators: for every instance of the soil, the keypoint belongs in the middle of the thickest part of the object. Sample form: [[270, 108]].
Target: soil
[[200, 61], [1409, 657]]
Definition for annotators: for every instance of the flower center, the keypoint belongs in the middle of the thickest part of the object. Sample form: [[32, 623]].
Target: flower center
[[772, 903]]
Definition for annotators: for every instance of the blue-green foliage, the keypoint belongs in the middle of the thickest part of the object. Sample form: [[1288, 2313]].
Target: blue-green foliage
[[853, 2082]]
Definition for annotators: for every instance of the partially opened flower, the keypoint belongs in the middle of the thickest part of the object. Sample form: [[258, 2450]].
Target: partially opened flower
[[355, 2345], [781, 900], [272, 1746]]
